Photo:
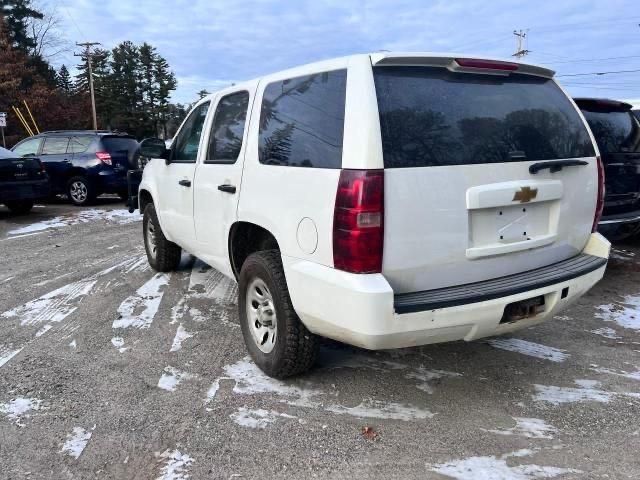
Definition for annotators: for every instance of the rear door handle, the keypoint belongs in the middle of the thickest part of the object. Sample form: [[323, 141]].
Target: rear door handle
[[185, 183], [227, 188]]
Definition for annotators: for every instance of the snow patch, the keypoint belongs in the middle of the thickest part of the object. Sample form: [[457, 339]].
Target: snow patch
[[73, 343], [425, 376], [181, 336], [496, 468], [627, 315], [118, 342], [587, 391], [120, 217], [77, 441], [259, 418], [172, 377], [528, 427], [19, 408], [606, 332], [213, 390], [529, 348], [621, 373], [206, 282], [7, 354], [140, 309], [382, 410], [175, 465]]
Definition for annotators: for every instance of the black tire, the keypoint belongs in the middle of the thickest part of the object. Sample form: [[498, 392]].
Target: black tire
[[20, 207], [166, 256], [295, 349], [80, 191]]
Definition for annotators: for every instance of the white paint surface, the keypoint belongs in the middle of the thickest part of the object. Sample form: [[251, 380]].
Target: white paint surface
[[181, 336], [139, 310], [258, 418], [528, 427], [7, 354], [497, 468], [626, 314], [175, 465], [172, 377], [530, 349], [77, 442], [19, 408]]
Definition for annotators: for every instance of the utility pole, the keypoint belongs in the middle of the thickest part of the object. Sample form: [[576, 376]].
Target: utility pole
[[521, 39], [88, 54]]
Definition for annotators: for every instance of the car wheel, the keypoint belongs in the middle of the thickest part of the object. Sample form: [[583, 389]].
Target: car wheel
[[20, 207], [275, 337], [163, 255], [80, 191]]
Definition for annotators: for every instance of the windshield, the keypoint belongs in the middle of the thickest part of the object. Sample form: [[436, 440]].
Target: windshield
[[615, 131], [433, 117]]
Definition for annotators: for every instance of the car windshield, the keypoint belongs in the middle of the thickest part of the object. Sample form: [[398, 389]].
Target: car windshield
[[616, 131]]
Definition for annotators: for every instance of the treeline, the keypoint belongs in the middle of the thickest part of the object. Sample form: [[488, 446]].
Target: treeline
[[132, 83]]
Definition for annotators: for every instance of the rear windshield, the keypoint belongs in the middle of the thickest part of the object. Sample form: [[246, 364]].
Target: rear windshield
[[433, 117], [120, 144], [615, 132]]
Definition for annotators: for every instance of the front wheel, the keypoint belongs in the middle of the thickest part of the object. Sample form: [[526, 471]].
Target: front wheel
[[163, 255], [80, 191], [20, 207], [275, 337]]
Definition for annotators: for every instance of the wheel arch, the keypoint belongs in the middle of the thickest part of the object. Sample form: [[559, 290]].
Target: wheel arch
[[246, 238]]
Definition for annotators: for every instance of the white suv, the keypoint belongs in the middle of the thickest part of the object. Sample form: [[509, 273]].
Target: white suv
[[384, 200]]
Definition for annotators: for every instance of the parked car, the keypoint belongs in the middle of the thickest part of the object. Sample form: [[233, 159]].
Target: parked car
[[23, 181], [385, 200], [617, 133], [85, 163]]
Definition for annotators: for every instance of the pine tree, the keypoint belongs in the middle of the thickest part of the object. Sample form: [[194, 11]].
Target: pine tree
[[16, 14], [167, 83], [203, 93], [63, 80]]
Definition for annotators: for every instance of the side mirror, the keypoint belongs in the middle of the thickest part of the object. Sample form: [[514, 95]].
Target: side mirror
[[154, 148]]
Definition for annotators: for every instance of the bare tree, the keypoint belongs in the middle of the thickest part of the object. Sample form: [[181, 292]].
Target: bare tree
[[47, 33]]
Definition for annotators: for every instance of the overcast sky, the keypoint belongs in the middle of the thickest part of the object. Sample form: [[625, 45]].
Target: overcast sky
[[212, 43]]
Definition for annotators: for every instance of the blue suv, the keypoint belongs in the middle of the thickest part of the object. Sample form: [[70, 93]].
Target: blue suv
[[85, 163]]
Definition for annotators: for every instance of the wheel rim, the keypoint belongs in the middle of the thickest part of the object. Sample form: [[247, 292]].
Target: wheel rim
[[261, 315], [152, 241], [78, 191]]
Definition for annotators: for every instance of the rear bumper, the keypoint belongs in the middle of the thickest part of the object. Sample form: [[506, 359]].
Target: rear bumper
[[28, 190], [111, 180], [362, 310]]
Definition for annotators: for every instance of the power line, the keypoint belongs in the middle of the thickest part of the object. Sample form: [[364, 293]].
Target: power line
[[521, 39], [597, 73], [594, 59]]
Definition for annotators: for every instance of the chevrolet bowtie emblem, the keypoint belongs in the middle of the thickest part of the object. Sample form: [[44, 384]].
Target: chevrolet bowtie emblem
[[526, 194]]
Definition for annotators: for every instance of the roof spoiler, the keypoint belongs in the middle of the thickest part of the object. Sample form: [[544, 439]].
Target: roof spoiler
[[460, 63]]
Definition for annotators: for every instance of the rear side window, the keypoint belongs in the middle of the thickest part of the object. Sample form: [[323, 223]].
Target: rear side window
[[55, 145], [80, 144], [302, 121], [120, 144], [615, 131], [225, 141], [434, 117]]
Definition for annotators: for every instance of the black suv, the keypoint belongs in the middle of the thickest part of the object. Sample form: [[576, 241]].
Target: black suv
[[22, 181], [85, 163], [617, 132]]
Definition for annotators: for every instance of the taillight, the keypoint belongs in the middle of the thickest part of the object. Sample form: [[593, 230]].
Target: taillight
[[104, 157], [600, 200], [358, 221]]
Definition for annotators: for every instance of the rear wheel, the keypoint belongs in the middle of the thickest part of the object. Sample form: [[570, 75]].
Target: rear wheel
[[163, 255], [275, 337], [20, 207], [80, 191]]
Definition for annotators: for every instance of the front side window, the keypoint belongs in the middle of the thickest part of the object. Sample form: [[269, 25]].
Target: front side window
[[225, 141], [615, 131], [55, 145], [302, 121], [186, 143], [430, 116], [80, 144], [28, 147]]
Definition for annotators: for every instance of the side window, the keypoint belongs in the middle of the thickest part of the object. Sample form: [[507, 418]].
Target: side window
[[55, 145], [227, 131], [185, 145], [28, 147], [80, 144], [302, 121]]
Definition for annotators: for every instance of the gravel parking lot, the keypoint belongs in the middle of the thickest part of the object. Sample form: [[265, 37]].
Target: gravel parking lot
[[108, 369]]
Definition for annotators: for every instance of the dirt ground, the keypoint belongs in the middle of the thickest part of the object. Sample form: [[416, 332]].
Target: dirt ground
[[109, 370]]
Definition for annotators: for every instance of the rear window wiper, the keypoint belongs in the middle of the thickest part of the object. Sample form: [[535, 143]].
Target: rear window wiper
[[555, 165]]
